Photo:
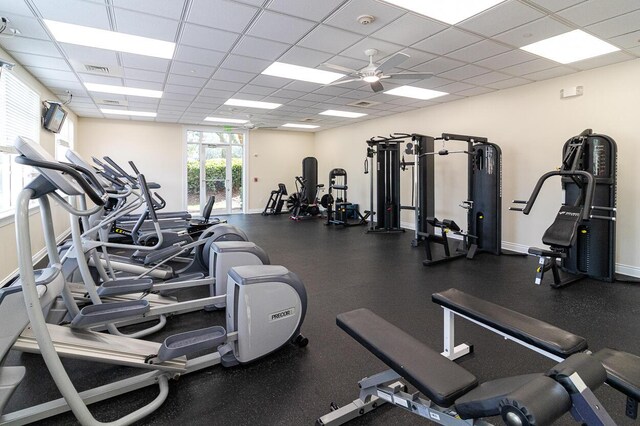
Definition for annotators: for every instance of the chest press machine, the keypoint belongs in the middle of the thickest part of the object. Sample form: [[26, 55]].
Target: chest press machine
[[448, 394]]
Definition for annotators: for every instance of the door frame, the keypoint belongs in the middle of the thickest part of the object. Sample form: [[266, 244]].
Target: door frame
[[245, 163]]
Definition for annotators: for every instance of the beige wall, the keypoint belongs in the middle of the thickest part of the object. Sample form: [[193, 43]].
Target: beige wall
[[530, 123], [8, 254], [157, 149]]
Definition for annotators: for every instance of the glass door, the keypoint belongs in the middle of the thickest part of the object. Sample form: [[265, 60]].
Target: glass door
[[215, 168]]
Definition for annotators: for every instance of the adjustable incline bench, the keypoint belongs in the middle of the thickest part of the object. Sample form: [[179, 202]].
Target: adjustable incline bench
[[454, 395], [622, 368]]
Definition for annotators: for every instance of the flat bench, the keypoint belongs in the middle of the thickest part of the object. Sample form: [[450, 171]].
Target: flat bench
[[623, 368]]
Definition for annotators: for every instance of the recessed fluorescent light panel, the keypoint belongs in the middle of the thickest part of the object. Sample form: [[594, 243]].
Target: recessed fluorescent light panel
[[300, 126], [570, 47], [122, 90], [449, 11], [295, 72], [127, 112], [226, 120], [252, 104], [415, 92], [346, 114], [110, 40]]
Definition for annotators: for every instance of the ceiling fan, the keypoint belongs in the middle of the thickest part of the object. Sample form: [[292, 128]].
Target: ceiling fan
[[373, 74], [250, 125]]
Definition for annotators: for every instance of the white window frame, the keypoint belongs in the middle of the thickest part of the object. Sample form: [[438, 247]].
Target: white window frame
[[65, 140]]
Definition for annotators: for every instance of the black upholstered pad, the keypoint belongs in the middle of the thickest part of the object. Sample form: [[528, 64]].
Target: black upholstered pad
[[438, 378], [623, 371], [562, 232], [484, 400], [530, 330]]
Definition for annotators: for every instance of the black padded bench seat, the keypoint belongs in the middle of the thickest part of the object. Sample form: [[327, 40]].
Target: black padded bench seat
[[623, 371], [438, 378], [530, 330]]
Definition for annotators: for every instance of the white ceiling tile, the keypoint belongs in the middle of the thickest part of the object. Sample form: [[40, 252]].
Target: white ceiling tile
[[101, 79], [167, 8], [90, 55], [304, 57], [61, 84], [52, 74], [490, 77], [627, 41], [198, 56], [446, 41], [144, 62], [440, 100], [438, 65], [332, 90], [28, 60], [289, 94], [302, 86], [464, 72], [619, 25], [384, 49], [507, 59], [456, 87], [208, 38], [481, 50], [533, 32], [28, 27], [346, 17], [244, 63], [600, 61], [416, 57], [431, 83], [171, 104], [169, 96], [27, 45], [308, 9], [75, 12], [269, 81], [529, 67], [502, 17], [556, 5], [184, 90], [145, 25], [224, 85], [222, 14], [236, 76], [279, 27], [184, 80], [136, 74], [314, 97], [215, 93], [409, 29], [593, 11], [13, 7], [635, 50], [355, 64], [193, 70], [512, 82], [475, 91], [257, 90], [143, 84], [329, 39], [260, 48], [301, 103], [550, 73]]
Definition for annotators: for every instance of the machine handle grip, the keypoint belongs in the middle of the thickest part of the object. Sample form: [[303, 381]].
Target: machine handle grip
[[519, 202], [133, 166], [516, 209], [142, 182]]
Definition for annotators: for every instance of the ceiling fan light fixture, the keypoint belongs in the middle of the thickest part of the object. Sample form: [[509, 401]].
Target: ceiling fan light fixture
[[371, 78]]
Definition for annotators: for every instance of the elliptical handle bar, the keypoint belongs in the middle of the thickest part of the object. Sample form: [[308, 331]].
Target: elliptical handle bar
[[75, 174], [120, 170], [142, 182], [586, 212], [134, 168]]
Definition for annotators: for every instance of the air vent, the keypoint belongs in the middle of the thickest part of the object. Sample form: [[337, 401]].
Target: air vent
[[308, 119], [97, 69], [112, 102], [363, 104]]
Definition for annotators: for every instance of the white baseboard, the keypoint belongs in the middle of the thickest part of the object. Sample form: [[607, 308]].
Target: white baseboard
[[518, 248], [632, 271], [253, 211], [41, 254]]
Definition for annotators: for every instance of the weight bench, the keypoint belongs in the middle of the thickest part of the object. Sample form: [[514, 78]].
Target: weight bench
[[560, 236], [623, 368], [454, 395]]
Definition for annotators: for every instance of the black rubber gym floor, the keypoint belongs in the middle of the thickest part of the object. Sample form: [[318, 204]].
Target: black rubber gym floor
[[345, 269]]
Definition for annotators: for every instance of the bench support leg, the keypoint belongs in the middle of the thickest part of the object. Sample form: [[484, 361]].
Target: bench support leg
[[452, 351], [586, 408]]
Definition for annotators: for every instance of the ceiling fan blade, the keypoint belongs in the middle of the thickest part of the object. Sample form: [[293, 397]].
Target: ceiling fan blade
[[340, 68], [349, 80], [377, 86], [411, 76], [393, 61]]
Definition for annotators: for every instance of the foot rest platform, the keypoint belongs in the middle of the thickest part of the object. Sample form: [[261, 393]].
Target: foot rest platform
[[125, 286], [109, 312], [191, 342], [546, 253], [530, 330], [437, 377]]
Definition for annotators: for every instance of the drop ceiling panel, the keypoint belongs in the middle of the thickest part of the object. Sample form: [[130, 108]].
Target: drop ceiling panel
[[304, 57], [384, 49], [74, 12], [100, 79], [184, 90], [260, 48], [28, 27], [269, 81], [258, 90], [416, 57], [152, 76], [490, 77], [143, 25], [529, 67], [167, 8], [231, 75], [627, 41], [222, 14], [13, 8], [593, 11], [475, 91], [28, 60], [555, 5], [184, 80], [144, 62], [502, 17], [26, 45], [279, 27], [619, 25], [177, 97], [409, 29], [477, 51], [345, 18], [224, 85], [464, 72], [458, 86], [198, 56], [89, 55], [244, 63], [447, 41], [307, 9], [600, 61], [512, 82], [533, 32], [208, 38], [193, 70], [549, 73], [438, 65], [329, 39], [302, 86], [52, 74], [507, 59]]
